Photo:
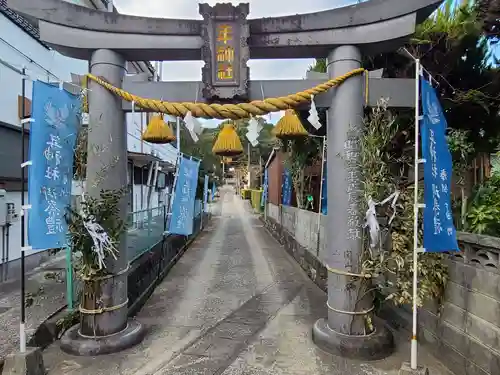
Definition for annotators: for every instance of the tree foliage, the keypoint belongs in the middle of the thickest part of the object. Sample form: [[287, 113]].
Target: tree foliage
[[103, 210], [452, 47], [489, 14], [301, 153], [391, 262], [211, 164]]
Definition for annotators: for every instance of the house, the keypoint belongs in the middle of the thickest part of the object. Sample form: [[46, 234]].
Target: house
[[20, 48]]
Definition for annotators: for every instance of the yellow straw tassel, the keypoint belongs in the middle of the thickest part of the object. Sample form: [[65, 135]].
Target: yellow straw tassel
[[290, 126], [227, 160], [158, 131], [228, 143]]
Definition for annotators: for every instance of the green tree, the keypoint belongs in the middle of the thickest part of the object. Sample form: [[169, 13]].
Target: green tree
[[489, 15], [318, 66], [301, 153], [452, 48], [211, 163]]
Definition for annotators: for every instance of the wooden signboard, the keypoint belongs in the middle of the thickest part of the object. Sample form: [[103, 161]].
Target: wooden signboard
[[225, 51]]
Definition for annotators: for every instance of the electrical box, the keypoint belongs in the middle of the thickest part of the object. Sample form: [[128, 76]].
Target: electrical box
[[12, 215], [3, 207]]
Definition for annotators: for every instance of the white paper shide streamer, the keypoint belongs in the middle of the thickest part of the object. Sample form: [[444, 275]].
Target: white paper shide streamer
[[254, 128], [313, 115], [193, 126], [371, 217], [102, 242]]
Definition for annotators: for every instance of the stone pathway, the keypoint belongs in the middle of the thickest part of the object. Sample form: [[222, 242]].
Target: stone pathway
[[45, 294], [235, 304], [46, 290]]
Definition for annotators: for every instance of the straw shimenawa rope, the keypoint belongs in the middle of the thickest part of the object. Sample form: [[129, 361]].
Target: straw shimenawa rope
[[158, 131], [289, 126], [228, 142], [227, 111]]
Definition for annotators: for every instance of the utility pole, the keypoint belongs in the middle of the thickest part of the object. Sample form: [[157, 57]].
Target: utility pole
[[260, 170], [249, 175]]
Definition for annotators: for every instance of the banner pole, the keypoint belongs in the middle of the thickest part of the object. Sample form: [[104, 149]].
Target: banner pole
[[178, 134], [22, 330], [202, 206], [320, 203], [416, 207], [69, 278], [172, 194]]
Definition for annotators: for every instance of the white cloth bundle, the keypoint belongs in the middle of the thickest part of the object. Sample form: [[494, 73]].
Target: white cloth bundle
[[371, 216], [254, 128], [102, 242], [313, 115], [193, 126]]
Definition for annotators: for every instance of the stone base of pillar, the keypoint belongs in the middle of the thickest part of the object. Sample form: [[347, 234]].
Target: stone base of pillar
[[407, 370], [74, 343], [378, 345]]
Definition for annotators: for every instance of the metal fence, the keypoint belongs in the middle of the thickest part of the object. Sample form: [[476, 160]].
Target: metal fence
[[142, 218], [151, 251], [145, 230], [147, 270]]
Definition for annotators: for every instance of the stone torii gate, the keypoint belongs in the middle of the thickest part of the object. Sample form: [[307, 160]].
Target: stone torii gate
[[342, 35]]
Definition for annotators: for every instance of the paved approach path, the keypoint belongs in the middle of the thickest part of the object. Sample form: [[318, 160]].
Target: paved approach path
[[235, 304]]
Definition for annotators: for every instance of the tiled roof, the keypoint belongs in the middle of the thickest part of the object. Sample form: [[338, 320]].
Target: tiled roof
[[20, 21]]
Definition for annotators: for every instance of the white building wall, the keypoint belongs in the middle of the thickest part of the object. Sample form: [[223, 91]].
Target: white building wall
[[18, 49], [136, 125]]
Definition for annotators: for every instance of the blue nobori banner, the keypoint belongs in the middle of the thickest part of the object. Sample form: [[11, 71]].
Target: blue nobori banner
[[181, 221], [439, 230], [286, 189], [53, 133]]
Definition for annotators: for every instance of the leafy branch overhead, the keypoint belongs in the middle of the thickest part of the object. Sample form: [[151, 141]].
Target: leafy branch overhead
[[391, 263], [103, 210], [301, 153], [212, 163], [454, 45], [489, 14]]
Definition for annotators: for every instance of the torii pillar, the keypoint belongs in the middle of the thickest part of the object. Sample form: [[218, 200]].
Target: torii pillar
[[350, 329], [343, 34], [110, 330]]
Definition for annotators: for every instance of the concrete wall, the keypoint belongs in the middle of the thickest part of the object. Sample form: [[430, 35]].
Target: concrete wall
[[464, 329], [297, 231]]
